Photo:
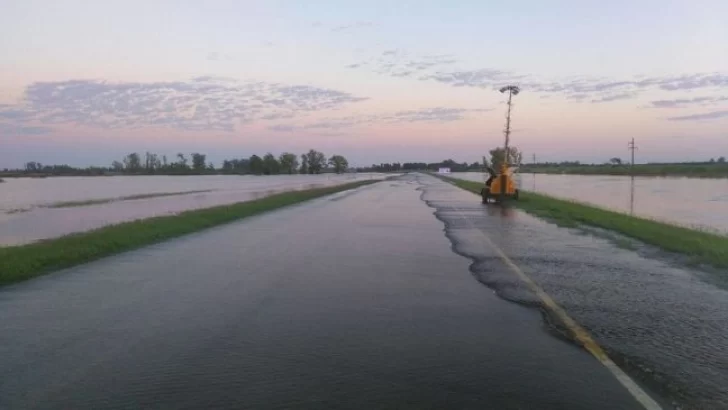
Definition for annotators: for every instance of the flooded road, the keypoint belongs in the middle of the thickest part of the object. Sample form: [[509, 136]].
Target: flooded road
[[662, 323], [32, 209], [351, 301], [691, 202]]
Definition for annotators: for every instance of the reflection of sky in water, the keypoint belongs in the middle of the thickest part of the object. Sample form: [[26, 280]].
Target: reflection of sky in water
[[38, 222], [693, 202]]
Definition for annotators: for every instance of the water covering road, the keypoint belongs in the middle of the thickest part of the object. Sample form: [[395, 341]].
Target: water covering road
[[350, 301], [665, 324]]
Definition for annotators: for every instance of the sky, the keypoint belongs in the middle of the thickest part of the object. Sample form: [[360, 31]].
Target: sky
[[86, 82]]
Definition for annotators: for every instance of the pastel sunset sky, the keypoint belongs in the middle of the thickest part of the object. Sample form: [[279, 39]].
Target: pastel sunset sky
[[85, 82]]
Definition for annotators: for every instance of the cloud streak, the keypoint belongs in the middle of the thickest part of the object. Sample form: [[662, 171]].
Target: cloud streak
[[495, 78], [432, 115], [614, 97], [683, 102], [200, 104], [356, 25], [399, 63], [15, 129], [697, 117]]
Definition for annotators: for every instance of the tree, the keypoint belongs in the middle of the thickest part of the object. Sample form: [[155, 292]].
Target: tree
[[497, 156], [151, 162], [182, 161], [721, 160], [117, 166], [256, 165], [316, 161], [615, 161], [289, 162], [340, 164], [270, 164], [32, 166], [198, 162], [132, 162], [236, 166], [304, 164]]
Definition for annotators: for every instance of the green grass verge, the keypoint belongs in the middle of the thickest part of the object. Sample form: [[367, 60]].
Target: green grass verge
[[701, 247], [70, 204], [692, 170], [23, 262]]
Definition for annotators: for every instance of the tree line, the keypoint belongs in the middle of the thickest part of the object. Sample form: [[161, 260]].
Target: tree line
[[495, 161], [315, 162], [422, 166], [311, 162]]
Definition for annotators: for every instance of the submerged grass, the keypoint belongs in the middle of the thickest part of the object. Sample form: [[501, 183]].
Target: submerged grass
[[69, 204], [23, 262], [703, 247]]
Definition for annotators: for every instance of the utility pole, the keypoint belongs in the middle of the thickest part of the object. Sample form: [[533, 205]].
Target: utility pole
[[512, 90], [632, 148]]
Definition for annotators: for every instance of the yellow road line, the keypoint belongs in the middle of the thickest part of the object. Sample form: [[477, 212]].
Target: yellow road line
[[580, 334]]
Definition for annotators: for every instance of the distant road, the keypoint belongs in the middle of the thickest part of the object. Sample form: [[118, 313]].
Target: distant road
[[351, 301]]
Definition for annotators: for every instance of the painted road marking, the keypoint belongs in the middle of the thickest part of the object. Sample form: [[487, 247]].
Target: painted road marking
[[580, 334]]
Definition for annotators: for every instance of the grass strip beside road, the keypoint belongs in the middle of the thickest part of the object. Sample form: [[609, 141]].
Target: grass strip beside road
[[70, 204], [692, 170], [18, 263], [700, 246]]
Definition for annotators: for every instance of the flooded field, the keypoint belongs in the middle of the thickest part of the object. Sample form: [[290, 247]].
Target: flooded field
[[32, 209], [692, 202]]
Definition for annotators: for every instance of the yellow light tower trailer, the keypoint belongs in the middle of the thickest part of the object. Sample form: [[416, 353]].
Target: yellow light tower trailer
[[502, 186]]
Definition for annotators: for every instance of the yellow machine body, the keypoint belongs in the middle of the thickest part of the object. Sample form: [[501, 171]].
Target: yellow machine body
[[502, 187], [498, 182]]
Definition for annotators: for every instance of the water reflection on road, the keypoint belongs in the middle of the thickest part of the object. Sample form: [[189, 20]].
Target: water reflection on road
[[694, 202]]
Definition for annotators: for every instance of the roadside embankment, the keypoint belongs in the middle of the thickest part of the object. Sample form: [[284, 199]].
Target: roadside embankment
[[702, 247], [23, 262]]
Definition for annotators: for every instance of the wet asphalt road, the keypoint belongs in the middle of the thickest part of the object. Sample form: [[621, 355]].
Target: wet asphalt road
[[351, 301]]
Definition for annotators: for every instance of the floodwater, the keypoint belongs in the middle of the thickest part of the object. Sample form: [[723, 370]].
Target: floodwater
[[354, 301], [27, 213], [692, 202]]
